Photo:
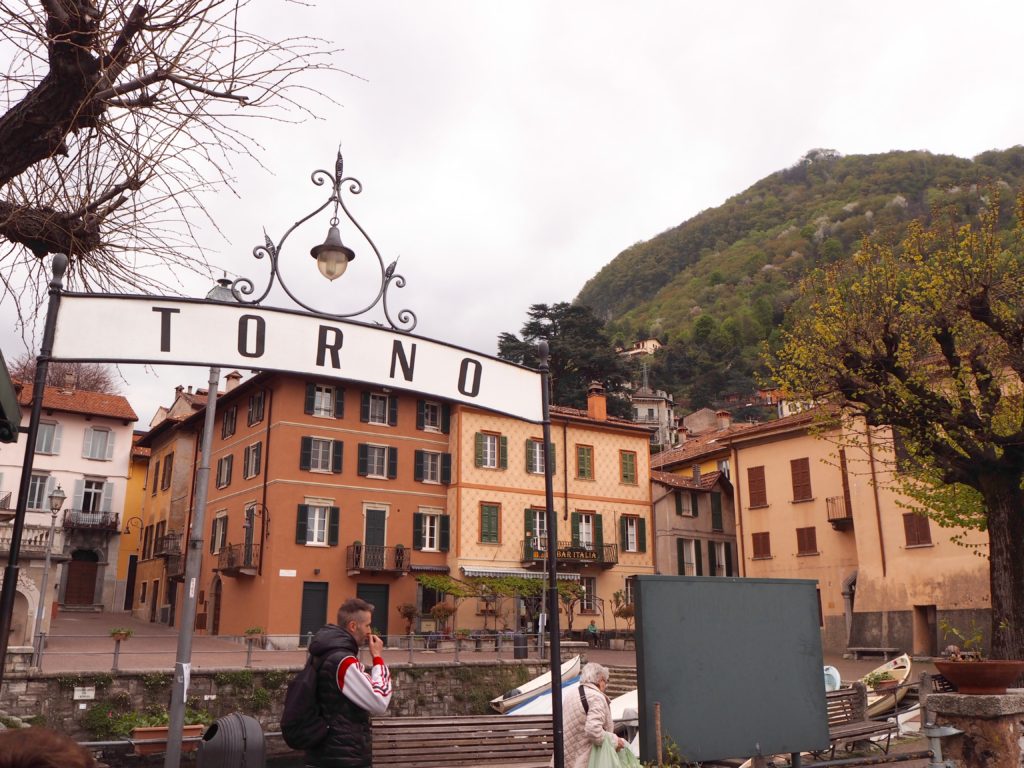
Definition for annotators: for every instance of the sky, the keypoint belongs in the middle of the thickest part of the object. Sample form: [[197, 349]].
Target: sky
[[509, 150]]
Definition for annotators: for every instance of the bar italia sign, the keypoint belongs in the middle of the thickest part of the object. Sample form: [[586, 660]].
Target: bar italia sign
[[152, 330]]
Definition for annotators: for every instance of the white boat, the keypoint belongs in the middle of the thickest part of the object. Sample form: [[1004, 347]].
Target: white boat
[[512, 701], [880, 702]]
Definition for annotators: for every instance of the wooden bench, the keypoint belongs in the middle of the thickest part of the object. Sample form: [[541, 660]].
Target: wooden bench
[[885, 653], [848, 722], [436, 742]]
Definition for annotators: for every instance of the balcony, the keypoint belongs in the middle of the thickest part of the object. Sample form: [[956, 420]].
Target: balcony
[[571, 554], [366, 558], [33, 541], [167, 545], [77, 519], [839, 515], [238, 560]]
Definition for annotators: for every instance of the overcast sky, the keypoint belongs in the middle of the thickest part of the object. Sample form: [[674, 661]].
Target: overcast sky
[[509, 150]]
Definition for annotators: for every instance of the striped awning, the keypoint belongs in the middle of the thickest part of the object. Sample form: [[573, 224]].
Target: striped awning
[[472, 570], [428, 568]]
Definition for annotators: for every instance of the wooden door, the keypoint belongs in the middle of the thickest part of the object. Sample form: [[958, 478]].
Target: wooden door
[[313, 613], [81, 582]]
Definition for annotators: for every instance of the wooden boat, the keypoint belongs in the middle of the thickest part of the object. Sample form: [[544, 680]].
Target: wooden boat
[[527, 692], [881, 702]]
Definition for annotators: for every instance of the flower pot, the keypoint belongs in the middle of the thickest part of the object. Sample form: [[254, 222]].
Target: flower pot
[[885, 685], [981, 677], [160, 732], [120, 635]]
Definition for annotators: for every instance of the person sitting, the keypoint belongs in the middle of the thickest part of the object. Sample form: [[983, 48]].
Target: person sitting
[[593, 635]]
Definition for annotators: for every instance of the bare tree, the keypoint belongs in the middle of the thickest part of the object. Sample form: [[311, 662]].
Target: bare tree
[[92, 377], [119, 116]]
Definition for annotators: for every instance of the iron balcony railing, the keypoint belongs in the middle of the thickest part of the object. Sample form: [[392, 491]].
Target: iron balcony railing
[[571, 552], [167, 545], [369, 557], [237, 559], [105, 521]]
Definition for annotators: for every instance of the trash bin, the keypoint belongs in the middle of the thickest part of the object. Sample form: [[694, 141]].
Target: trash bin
[[233, 741], [519, 646]]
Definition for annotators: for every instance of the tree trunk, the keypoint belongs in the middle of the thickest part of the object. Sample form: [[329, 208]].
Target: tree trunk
[[1004, 502]]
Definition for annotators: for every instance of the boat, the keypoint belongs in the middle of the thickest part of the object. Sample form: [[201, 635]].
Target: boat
[[881, 702], [511, 701]]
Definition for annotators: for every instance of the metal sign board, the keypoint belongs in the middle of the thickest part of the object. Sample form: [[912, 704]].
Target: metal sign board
[[155, 330]]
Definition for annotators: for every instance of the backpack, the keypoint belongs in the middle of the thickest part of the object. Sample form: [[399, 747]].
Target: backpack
[[302, 724]]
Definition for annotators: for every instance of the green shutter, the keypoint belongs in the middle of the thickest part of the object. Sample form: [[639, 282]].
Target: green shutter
[[698, 567], [527, 454], [392, 463], [575, 529], [301, 524], [528, 533], [361, 459], [503, 452], [479, 449], [417, 466], [679, 502], [694, 496], [623, 535], [551, 455], [728, 559], [446, 468], [446, 418], [712, 559], [392, 411], [332, 526], [681, 556], [337, 453], [339, 402], [310, 398], [716, 512], [641, 535], [364, 408], [417, 530], [444, 535], [419, 414], [599, 535]]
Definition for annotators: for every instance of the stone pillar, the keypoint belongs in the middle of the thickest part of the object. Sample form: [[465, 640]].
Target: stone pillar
[[993, 728]]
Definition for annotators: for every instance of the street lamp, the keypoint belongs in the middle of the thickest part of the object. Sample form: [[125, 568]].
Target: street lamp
[[57, 497]]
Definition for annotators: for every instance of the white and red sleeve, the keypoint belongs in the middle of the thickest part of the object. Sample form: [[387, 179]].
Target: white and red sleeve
[[371, 692]]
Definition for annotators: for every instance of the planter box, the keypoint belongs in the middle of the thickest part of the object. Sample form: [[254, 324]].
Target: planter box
[[160, 732]]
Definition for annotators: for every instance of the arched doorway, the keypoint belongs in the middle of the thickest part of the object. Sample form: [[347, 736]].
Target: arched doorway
[[215, 589], [81, 580], [20, 624]]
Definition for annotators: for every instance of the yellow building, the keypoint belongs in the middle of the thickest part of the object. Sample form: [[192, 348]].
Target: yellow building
[[131, 535], [601, 470]]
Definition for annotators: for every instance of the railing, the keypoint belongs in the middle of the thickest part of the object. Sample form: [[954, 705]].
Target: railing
[[369, 557], [103, 521], [167, 545], [33, 540], [239, 559], [569, 552], [5, 500], [838, 513]]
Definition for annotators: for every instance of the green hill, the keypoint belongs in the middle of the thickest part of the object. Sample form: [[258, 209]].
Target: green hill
[[716, 287]]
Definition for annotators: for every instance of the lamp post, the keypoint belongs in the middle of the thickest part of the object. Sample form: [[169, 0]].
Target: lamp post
[[56, 502]]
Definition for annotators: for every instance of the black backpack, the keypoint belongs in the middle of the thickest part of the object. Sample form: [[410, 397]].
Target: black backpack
[[302, 724]]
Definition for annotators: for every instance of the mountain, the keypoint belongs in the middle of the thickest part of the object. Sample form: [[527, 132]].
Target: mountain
[[715, 288]]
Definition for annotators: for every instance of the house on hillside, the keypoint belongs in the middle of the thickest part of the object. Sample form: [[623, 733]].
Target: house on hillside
[[83, 446]]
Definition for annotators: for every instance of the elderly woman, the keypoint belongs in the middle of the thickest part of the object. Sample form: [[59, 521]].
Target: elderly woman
[[585, 726]]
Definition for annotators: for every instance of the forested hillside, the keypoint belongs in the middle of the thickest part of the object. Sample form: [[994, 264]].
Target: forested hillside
[[715, 288]]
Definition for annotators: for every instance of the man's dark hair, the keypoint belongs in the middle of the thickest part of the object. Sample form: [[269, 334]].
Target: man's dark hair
[[350, 608]]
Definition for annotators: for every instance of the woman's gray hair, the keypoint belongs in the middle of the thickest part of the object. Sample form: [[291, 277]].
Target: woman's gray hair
[[593, 672]]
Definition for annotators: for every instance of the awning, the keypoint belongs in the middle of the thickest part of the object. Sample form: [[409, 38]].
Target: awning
[[428, 568], [497, 573]]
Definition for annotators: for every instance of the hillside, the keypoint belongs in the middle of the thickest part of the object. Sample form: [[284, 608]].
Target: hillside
[[716, 287]]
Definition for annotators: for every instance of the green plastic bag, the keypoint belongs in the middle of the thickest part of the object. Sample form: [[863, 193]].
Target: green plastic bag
[[603, 755]]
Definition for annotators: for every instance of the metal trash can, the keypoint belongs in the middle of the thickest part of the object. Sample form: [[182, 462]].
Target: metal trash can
[[233, 741], [519, 646]]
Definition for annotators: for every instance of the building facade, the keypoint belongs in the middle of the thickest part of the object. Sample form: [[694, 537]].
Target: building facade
[[694, 524]]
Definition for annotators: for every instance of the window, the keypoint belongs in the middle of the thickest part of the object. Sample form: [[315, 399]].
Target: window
[[219, 534], [762, 545], [629, 591], [723, 466], [432, 417], [719, 558], [156, 477], [432, 467], [325, 400], [633, 533], [585, 535], [585, 462], [806, 541], [688, 555], [627, 467], [39, 487], [48, 438], [227, 424], [378, 461], [801, 471], [490, 524], [758, 493], [916, 528], [142, 593], [319, 454], [379, 409], [224, 471], [147, 542], [686, 503], [255, 415], [491, 451], [252, 460], [165, 478], [430, 531], [99, 444], [537, 529], [716, 512], [588, 603], [534, 456], [317, 524], [92, 496]]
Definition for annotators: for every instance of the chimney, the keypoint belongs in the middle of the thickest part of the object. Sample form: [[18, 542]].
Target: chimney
[[177, 391], [724, 419], [190, 389], [696, 473], [232, 380], [684, 433], [68, 387], [597, 404]]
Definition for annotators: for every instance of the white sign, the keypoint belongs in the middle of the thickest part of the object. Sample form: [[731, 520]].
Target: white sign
[[146, 329], [287, 573], [84, 693]]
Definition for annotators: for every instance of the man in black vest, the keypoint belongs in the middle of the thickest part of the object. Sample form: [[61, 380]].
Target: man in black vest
[[348, 696]]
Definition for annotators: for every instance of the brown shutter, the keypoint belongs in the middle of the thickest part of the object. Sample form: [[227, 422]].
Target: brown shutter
[[916, 529], [806, 541], [756, 487], [801, 471], [762, 544]]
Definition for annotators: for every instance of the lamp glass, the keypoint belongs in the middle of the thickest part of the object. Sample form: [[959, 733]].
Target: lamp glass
[[332, 263], [57, 499]]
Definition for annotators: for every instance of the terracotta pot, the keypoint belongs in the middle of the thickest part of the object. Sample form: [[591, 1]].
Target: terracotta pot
[[160, 732], [885, 685], [981, 677]]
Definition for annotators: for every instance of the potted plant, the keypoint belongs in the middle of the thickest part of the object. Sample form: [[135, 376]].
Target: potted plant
[[408, 612], [121, 633], [461, 635], [880, 681], [968, 669], [152, 725]]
